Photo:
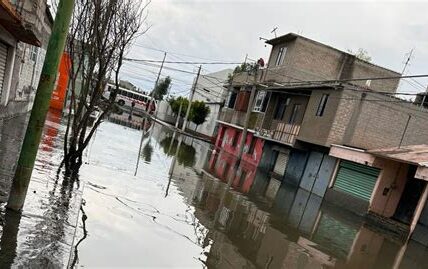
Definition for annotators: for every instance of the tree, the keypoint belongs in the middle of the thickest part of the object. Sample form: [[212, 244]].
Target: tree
[[199, 112], [244, 67], [361, 54], [101, 33], [161, 88], [175, 105]]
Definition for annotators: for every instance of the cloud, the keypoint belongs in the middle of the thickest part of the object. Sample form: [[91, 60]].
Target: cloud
[[228, 30]]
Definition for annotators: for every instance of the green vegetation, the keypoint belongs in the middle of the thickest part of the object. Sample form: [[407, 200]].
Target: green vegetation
[[161, 88], [198, 111]]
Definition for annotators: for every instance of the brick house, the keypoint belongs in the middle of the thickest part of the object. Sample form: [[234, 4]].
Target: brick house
[[25, 27], [311, 97]]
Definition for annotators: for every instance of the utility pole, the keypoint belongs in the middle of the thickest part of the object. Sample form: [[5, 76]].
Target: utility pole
[[35, 126], [192, 92], [152, 99], [245, 130], [178, 116]]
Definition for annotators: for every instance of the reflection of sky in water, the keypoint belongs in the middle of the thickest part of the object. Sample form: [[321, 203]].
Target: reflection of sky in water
[[191, 221]]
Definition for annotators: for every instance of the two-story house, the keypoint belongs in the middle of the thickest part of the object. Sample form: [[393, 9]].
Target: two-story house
[[312, 98], [25, 27]]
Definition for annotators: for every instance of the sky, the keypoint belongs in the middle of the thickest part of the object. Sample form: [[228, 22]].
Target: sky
[[226, 31]]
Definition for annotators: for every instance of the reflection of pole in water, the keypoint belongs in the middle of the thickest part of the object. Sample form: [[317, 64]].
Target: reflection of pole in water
[[8, 241], [141, 145], [174, 160], [171, 143]]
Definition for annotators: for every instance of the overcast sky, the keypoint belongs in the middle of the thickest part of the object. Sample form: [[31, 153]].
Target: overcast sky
[[228, 30]]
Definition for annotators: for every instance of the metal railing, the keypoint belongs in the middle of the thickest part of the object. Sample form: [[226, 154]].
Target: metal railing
[[284, 132], [238, 117]]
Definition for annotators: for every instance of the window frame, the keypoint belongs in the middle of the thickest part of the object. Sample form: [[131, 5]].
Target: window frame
[[282, 101], [294, 113], [280, 56], [322, 105], [261, 96]]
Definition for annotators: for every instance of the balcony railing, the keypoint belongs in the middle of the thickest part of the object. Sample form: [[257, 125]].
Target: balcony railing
[[284, 132], [238, 117]]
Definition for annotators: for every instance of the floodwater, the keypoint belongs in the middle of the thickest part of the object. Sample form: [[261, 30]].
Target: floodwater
[[169, 205]]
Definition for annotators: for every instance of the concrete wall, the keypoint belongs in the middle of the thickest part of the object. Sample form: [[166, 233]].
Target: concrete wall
[[307, 59], [393, 177], [377, 121], [227, 145], [270, 123], [315, 129]]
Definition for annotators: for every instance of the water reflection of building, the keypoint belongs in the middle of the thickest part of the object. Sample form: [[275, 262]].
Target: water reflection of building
[[295, 229]]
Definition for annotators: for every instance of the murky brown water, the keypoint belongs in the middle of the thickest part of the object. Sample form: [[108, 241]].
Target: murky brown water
[[171, 208]]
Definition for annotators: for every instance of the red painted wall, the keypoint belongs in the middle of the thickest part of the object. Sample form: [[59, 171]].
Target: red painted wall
[[58, 95], [226, 144], [223, 159]]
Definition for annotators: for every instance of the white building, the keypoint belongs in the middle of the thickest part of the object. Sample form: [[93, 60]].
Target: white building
[[210, 90]]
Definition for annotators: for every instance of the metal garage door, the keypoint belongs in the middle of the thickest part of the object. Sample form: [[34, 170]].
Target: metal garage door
[[281, 163], [356, 179], [3, 59]]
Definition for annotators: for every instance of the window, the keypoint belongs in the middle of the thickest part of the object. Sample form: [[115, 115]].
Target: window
[[280, 107], [235, 139], [252, 145], [294, 114], [34, 53], [322, 104], [258, 105], [280, 57], [232, 99]]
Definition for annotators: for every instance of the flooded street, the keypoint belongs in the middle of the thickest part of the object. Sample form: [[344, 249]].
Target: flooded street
[[171, 206]]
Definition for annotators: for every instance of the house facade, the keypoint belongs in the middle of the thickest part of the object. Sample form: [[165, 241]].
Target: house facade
[[210, 90], [312, 98], [25, 27]]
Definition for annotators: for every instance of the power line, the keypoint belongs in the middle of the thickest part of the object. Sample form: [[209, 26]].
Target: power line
[[176, 53], [177, 62]]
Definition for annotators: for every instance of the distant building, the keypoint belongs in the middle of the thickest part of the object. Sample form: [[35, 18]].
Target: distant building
[[25, 27], [320, 123], [210, 89]]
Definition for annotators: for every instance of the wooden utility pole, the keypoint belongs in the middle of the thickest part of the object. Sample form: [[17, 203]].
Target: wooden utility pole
[[36, 123], [152, 99], [245, 130], [192, 92], [179, 115]]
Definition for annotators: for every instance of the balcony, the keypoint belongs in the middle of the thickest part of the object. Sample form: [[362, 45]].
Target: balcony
[[238, 117], [283, 132], [19, 24]]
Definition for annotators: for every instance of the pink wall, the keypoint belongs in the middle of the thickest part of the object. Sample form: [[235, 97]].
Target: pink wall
[[394, 177]]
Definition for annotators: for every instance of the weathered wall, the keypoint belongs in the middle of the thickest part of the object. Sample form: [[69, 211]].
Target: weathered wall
[[227, 145], [306, 59], [380, 122], [12, 130], [315, 129], [393, 177]]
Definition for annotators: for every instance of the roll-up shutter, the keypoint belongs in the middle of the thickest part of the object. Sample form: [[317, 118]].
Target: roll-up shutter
[[281, 163], [3, 59], [356, 179]]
